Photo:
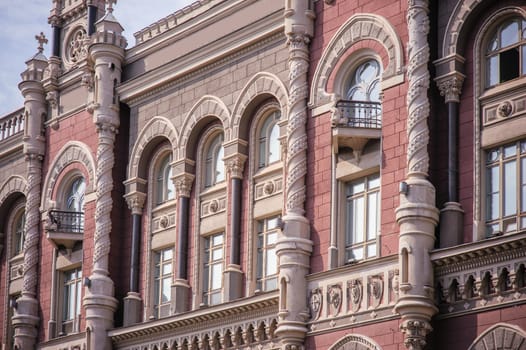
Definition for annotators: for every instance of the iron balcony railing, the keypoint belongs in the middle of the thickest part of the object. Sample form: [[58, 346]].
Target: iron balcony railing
[[67, 221], [359, 114]]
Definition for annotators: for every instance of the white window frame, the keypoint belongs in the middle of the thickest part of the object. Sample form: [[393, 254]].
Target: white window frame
[[267, 231], [70, 325], [164, 186], [214, 167], [162, 273], [211, 295], [269, 132]]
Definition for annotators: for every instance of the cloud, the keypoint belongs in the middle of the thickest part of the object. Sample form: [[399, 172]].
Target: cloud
[[22, 20]]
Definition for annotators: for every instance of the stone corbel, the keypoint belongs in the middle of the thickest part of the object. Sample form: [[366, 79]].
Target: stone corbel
[[415, 333], [235, 165], [450, 86], [183, 184], [135, 201]]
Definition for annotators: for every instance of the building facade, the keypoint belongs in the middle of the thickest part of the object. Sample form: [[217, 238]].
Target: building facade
[[257, 174]]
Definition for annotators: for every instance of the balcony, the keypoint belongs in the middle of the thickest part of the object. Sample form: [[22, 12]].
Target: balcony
[[65, 228], [11, 132], [354, 123]]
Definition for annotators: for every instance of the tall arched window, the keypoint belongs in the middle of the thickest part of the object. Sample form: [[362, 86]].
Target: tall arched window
[[269, 146], [75, 195], [214, 165], [165, 185], [18, 232], [506, 52]]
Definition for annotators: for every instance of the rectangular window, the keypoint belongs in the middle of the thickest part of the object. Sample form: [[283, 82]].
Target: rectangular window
[[362, 218], [506, 189], [267, 260], [163, 282], [72, 290], [213, 269]]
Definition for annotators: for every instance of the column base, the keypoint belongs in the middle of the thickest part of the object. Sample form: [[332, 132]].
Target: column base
[[132, 308], [451, 225], [233, 282], [25, 322], [180, 294]]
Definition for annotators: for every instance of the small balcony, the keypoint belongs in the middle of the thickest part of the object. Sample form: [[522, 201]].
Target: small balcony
[[354, 123], [65, 228]]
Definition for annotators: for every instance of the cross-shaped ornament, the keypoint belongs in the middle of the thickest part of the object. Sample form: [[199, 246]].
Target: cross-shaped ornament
[[110, 4], [41, 41]]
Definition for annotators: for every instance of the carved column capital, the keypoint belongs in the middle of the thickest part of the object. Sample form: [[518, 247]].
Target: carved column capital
[[135, 201], [183, 184], [450, 86], [415, 332], [235, 165]]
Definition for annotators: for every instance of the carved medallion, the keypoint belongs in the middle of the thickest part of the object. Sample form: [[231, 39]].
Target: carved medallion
[[334, 299], [375, 290], [355, 294], [315, 302]]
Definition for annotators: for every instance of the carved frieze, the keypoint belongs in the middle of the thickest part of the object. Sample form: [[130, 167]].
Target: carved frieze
[[213, 206], [268, 187]]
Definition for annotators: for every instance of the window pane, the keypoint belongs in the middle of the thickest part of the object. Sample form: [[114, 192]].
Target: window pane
[[493, 44], [167, 254], [372, 216], [356, 187], [371, 250], [272, 238], [358, 217], [167, 269], [217, 239], [493, 70], [357, 254], [510, 188], [374, 182], [166, 290], [170, 186], [220, 166], [272, 262], [274, 146], [217, 254], [217, 275], [510, 151], [509, 34], [271, 284], [493, 194]]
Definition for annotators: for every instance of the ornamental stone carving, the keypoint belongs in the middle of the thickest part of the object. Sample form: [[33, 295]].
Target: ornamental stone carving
[[450, 86], [77, 48], [415, 333], [375, 290], [355, 294], [183, 184], [334, 299], [315, 303], [235, 165], [505, 109]]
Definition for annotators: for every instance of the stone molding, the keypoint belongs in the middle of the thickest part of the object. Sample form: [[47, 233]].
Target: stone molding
[[156, 127], [135, 201], [207, 105], [235, 165], [455, 24], [355, 341], [71, 152], [183, 184], [358, 27], [500, 336], [15, 183], [260, 83]]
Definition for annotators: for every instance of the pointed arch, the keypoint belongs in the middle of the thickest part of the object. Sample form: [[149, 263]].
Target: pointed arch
[[358, 27], [71, 152], [260, 85], [13, 184], [355, 342], [500, 336], [206, 106], [157, 128]]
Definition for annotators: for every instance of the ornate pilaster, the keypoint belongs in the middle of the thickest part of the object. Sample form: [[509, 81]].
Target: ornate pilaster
[[450, 86], [25, 318], [180, 288], [235, 165], [417, 214], [107, 53], [294, 245]]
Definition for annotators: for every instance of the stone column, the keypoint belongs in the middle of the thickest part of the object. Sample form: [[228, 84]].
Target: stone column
[[180, 287], [233, 273], [417, 214], [294, 245], [107, 53], [452, 215], [132, 301], [25, 318]]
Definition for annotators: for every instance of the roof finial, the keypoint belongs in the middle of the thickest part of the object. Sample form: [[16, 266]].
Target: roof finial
[[110, 4], [41, 41]]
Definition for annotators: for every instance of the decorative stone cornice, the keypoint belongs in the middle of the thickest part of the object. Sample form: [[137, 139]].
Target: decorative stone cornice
[[235, 165], [450, 86], [183, 184]]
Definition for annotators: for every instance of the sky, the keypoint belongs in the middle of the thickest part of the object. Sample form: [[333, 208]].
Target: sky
[[21, 20]]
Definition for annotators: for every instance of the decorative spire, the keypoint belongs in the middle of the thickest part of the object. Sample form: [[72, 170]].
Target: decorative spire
[[110, 4], [41, 41]]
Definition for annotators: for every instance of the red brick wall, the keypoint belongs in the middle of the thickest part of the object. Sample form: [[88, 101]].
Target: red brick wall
[[394, 138]]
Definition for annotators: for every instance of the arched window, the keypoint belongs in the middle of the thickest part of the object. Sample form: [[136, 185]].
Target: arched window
[[165, 185], [506, 52], [363, 95], [269, 145], [214, 165], [365, 82], [18, 232], [75, 195]]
